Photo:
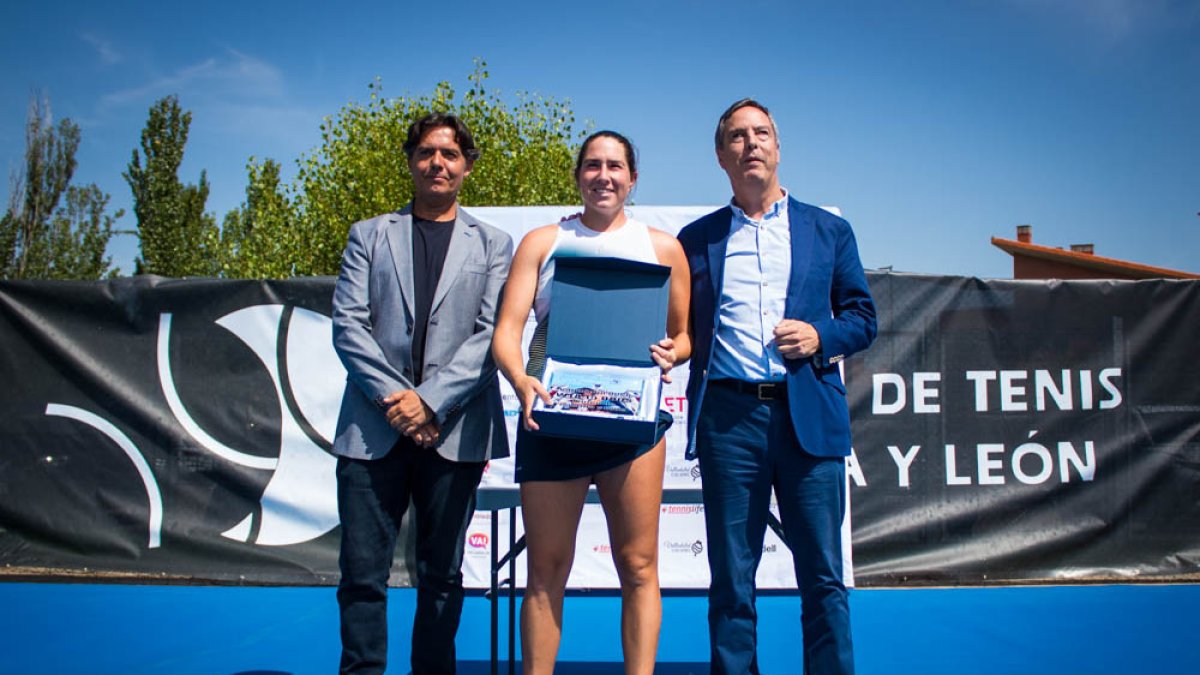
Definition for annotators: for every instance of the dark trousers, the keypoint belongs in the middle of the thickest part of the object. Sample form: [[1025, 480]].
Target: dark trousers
[[372, 498], [748, 448]]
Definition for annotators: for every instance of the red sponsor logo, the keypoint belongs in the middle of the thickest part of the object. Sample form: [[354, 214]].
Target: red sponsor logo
[[478, 540], [675, 404]]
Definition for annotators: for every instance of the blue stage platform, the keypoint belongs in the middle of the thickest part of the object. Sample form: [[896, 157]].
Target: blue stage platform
[[99, 629]]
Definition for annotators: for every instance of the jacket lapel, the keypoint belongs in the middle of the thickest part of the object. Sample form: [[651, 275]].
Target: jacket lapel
[[399, 238], [718, 242], [801, 230]]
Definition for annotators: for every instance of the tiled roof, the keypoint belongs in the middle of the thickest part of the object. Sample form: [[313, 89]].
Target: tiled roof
[[1089, 261]]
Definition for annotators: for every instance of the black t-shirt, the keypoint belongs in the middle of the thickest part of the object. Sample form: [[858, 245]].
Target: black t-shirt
[[431, 239]]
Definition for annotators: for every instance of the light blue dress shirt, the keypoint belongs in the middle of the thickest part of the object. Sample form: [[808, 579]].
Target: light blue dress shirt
[[758, 264]]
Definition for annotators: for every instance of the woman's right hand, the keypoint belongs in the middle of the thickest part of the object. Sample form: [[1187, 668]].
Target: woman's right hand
[[529, 389]]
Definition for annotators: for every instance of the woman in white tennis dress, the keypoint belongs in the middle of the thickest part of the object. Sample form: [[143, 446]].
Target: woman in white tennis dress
[[555, 473]]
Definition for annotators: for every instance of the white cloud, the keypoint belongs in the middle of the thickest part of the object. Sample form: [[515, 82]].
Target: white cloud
[[104, 49], [278, 122], [240, 106], [1117, 21], [229, 76]]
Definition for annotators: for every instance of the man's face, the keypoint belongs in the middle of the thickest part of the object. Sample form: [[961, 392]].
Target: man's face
[[438, 166], [750, 150]]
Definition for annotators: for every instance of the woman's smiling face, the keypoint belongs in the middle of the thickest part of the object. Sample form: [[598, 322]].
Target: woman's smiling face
[[605, 178]]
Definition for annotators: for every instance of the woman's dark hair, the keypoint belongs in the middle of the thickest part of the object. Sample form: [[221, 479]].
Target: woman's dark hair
[[630, 152], [433, 120]]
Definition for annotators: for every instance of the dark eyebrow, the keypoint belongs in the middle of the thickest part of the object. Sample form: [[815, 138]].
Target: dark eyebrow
[[428, 149]]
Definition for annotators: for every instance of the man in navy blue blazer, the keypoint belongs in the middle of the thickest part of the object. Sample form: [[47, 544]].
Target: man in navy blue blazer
[[779, 298]]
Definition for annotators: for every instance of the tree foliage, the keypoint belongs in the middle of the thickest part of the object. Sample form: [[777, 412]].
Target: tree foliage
[[359, 171], [261, 239], [177, 237], [40, 238]]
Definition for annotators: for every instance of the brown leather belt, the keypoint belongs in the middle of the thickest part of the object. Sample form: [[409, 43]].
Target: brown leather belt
[[764, 391]]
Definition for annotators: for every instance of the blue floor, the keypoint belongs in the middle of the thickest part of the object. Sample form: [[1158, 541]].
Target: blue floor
[[99, 629]]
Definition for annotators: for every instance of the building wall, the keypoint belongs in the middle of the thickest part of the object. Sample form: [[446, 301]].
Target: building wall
[[1037, 268]]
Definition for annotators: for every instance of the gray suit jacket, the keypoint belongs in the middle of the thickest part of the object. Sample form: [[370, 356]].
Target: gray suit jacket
[[373, 327]]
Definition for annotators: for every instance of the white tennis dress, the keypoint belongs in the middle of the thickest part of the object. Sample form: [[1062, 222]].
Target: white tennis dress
[[631, 241]]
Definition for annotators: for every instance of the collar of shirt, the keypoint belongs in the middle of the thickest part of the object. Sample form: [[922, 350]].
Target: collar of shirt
[[758, 262], [777, 209]]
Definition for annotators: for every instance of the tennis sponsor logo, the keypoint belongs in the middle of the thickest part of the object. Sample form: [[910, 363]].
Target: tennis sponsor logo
[[677, 509], [687, 472], [693, 548]]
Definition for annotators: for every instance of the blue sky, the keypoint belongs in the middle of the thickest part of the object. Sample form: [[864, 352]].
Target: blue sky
[[933, 125]]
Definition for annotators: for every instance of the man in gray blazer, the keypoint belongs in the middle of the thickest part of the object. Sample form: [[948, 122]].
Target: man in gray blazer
[[413, 312]]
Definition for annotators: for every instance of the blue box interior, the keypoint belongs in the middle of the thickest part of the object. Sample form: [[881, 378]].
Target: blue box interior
[[607, 310]]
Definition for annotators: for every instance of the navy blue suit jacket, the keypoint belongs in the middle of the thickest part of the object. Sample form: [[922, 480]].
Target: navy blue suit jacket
[[827, 289]]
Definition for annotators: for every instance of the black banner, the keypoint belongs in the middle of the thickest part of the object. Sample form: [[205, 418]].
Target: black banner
[[1004, 431], [169, 427], [1027, 431]]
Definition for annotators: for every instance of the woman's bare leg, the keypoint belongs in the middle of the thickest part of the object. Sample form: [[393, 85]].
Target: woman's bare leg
[[551, 511], [631, 495]]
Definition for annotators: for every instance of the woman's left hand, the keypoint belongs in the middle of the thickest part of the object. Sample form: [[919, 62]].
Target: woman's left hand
[[663, 354]]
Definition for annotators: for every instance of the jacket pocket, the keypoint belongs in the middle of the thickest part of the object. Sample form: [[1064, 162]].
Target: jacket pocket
[[832, 377]]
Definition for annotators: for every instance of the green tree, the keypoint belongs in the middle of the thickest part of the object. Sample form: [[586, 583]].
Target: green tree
[[177, 237], [39, 239], [360, 171], [260, 238]]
